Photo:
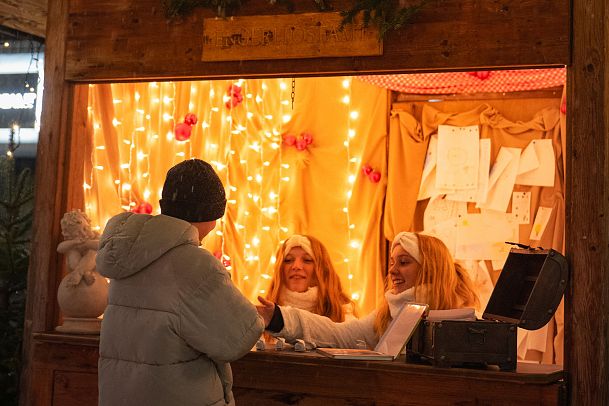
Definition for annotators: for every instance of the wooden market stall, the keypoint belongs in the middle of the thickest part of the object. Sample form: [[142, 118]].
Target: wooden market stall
[[133, 41]]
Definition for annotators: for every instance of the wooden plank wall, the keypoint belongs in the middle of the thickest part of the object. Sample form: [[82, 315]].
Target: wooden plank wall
[[587, 210], [131, 39], [29, 16]]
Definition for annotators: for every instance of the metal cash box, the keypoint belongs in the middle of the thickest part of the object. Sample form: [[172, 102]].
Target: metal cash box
[[527, 293]]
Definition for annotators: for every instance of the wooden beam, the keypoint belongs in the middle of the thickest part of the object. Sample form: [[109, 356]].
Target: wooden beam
[[587, 209], [53, 147], [117, 40], [29, 16]]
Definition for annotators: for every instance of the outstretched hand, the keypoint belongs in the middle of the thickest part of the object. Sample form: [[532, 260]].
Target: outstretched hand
[[266, 310]]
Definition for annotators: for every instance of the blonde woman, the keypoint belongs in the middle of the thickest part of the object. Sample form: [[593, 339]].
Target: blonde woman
[[305, 278], [421, 270]]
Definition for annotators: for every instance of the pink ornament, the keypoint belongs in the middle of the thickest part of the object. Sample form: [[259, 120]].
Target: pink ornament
[[307, 137], [289, 140], [182, 131], [190, 119], [301, 144], [143, 208], [218, 254], [226, 262], [375, 177], [367, 170], [481, 74]]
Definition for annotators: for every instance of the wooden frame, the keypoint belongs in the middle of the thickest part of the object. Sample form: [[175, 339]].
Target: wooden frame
[[120, 40]]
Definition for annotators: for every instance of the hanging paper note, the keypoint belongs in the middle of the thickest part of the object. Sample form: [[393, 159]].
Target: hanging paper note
[[475, 195], [440, 209], [457, 160], [501, 180], [483, 236], [543, 173], [521, 207], [445, 231], [428, 178], [541, 222]]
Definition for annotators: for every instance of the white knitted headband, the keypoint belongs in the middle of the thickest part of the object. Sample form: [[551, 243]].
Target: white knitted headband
[[410, 243], [298, 240]]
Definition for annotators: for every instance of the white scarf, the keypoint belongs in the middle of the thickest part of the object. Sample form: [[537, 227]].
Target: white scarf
[[306, 300], [397, 301]]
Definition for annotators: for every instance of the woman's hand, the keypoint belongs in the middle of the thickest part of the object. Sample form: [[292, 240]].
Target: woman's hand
[[266, 310]]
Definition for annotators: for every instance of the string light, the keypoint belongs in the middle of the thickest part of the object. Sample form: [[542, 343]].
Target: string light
[[244, 145]]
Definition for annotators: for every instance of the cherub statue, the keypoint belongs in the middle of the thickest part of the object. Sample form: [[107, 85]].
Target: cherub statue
[[80, 247]]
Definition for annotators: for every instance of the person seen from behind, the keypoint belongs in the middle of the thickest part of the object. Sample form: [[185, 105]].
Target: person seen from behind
[[174, 319]]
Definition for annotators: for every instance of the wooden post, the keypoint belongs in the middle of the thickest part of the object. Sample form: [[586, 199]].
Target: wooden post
[[52, 173], [587, 210]]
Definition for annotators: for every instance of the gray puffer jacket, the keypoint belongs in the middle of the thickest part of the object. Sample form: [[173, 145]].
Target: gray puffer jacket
[[174, 318]]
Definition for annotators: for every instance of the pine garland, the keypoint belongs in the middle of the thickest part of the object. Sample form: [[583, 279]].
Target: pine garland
[[385, 14]]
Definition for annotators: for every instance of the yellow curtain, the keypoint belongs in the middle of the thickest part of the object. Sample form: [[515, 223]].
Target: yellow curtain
[[273, 189]]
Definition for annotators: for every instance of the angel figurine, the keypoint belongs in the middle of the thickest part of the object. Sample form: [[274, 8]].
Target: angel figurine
[[82, 293], [80, 247]]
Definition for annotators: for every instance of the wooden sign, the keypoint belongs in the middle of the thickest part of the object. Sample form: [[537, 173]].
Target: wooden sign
[[288, 36]]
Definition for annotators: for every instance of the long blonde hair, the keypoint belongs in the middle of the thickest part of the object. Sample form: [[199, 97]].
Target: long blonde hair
[[447, 284], [330, 295]]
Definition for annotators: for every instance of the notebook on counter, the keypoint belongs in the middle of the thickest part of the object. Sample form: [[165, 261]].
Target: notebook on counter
[[391, 343]]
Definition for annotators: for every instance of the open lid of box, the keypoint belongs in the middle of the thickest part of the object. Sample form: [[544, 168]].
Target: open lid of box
[[529, 289]]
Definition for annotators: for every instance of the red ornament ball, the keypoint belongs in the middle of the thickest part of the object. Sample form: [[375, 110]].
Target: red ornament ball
[[182, 131], [190, 119]]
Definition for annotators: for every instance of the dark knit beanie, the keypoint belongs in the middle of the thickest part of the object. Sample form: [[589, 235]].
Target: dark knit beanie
[[193, 192]]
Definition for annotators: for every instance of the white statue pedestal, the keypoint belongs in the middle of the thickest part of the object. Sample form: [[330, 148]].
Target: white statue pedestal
[[80, 325]]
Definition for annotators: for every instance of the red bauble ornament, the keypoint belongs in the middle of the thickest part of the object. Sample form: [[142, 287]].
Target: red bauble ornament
[[375, 177], [289, 140], [182, 131], [301, 144], [367, 170], [190, 119], [307, 137], [143, 208], [218, 254]]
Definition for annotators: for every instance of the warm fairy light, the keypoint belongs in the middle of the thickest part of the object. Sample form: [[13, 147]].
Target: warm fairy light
[[242, 142], [117, 101], [355, 296]]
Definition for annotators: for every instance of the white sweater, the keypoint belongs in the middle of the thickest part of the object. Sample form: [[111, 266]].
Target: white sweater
[[322, 331]]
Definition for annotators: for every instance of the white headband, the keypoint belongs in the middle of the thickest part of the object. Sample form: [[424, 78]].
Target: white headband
[[298, 240], [410, 243]]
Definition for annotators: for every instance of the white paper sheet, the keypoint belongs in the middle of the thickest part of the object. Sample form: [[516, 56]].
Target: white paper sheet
[[521, 207], [457, 160], [428, 187], [440, 209], [483, 236], [543, 174], [541, 222], [501, 180], [447, 232], [478, 194]]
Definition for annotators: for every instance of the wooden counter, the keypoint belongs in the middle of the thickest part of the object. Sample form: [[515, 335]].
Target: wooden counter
[[65, 373]]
